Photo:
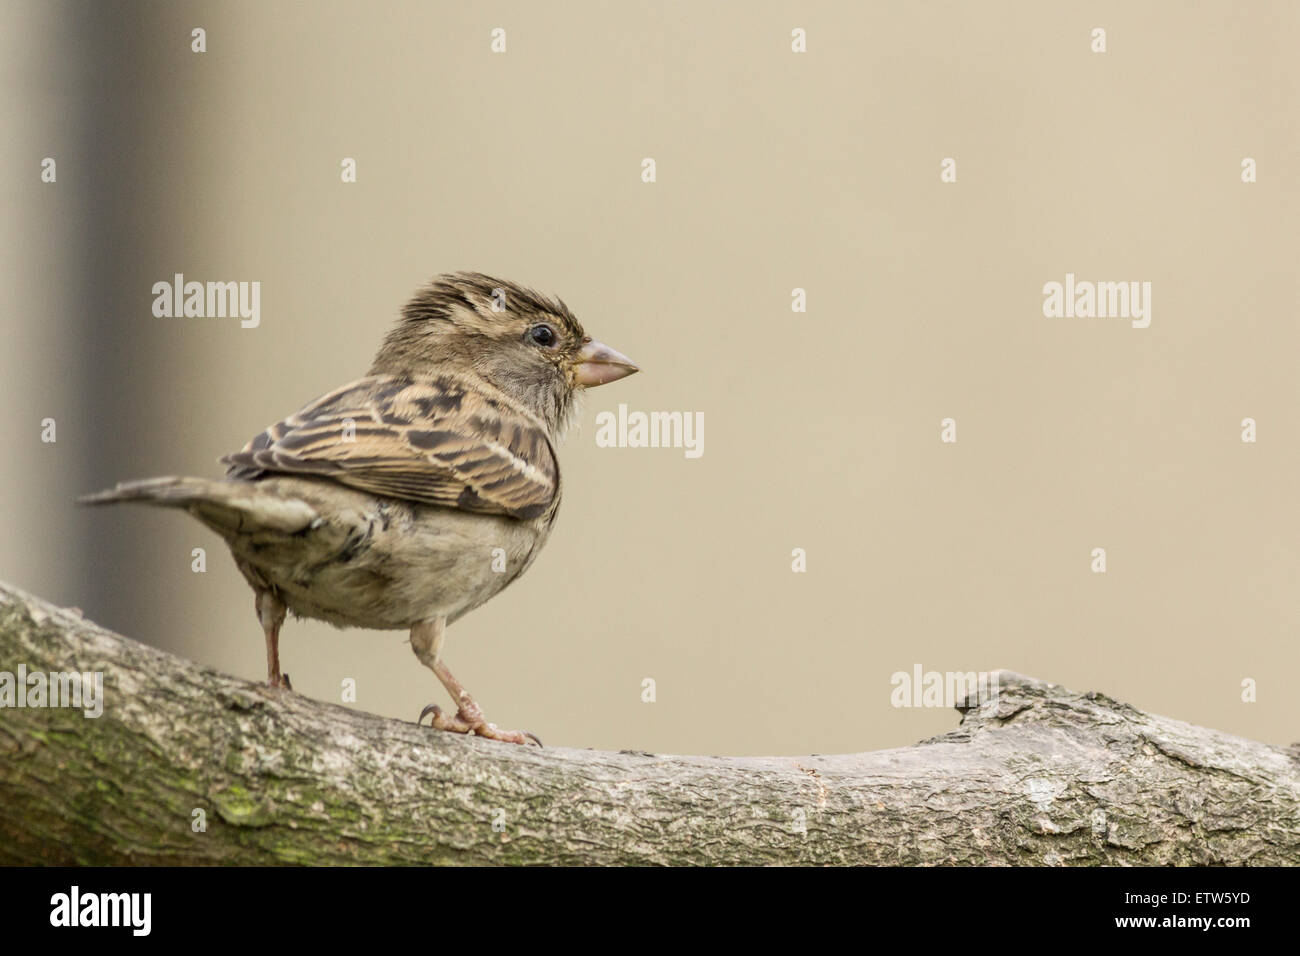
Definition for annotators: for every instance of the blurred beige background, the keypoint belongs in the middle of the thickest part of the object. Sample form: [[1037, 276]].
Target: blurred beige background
[[775, 170]]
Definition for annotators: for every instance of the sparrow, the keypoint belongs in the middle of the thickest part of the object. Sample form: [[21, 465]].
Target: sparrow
[[407, 498]]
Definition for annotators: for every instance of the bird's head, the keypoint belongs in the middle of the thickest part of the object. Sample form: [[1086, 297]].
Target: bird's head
[[527, 345]]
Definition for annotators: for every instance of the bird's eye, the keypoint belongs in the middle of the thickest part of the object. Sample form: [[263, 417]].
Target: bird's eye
[[543, 335]]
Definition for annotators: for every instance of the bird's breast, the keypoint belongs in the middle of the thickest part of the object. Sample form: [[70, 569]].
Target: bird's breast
[[379, 563]]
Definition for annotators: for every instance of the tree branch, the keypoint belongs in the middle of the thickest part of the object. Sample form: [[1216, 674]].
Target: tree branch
[[1036, 774]]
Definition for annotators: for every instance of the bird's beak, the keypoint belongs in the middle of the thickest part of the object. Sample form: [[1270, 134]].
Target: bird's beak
[[597, 364]]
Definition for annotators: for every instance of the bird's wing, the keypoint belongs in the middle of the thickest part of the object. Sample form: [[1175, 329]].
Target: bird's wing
[[435, 441]]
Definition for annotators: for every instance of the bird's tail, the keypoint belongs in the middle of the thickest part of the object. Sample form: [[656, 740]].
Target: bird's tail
[[223, 505]]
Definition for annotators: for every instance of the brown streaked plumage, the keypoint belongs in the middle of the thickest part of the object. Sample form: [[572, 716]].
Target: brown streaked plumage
[[433, 439], [383, 503]]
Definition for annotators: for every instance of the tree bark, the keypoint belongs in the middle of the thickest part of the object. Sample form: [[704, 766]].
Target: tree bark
[[1036, 774]]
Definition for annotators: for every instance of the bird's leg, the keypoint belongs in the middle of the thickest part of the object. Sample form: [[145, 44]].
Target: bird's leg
[[426, 641], [271, 611], [469, 716]]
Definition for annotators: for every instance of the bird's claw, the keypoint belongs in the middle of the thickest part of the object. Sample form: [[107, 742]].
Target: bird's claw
[[462, 723]]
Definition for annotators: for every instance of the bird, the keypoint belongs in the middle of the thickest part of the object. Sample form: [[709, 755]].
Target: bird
[[407, 498]]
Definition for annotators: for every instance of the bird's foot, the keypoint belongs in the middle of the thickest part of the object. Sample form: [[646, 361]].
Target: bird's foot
[[280, 682], [469, 719]]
